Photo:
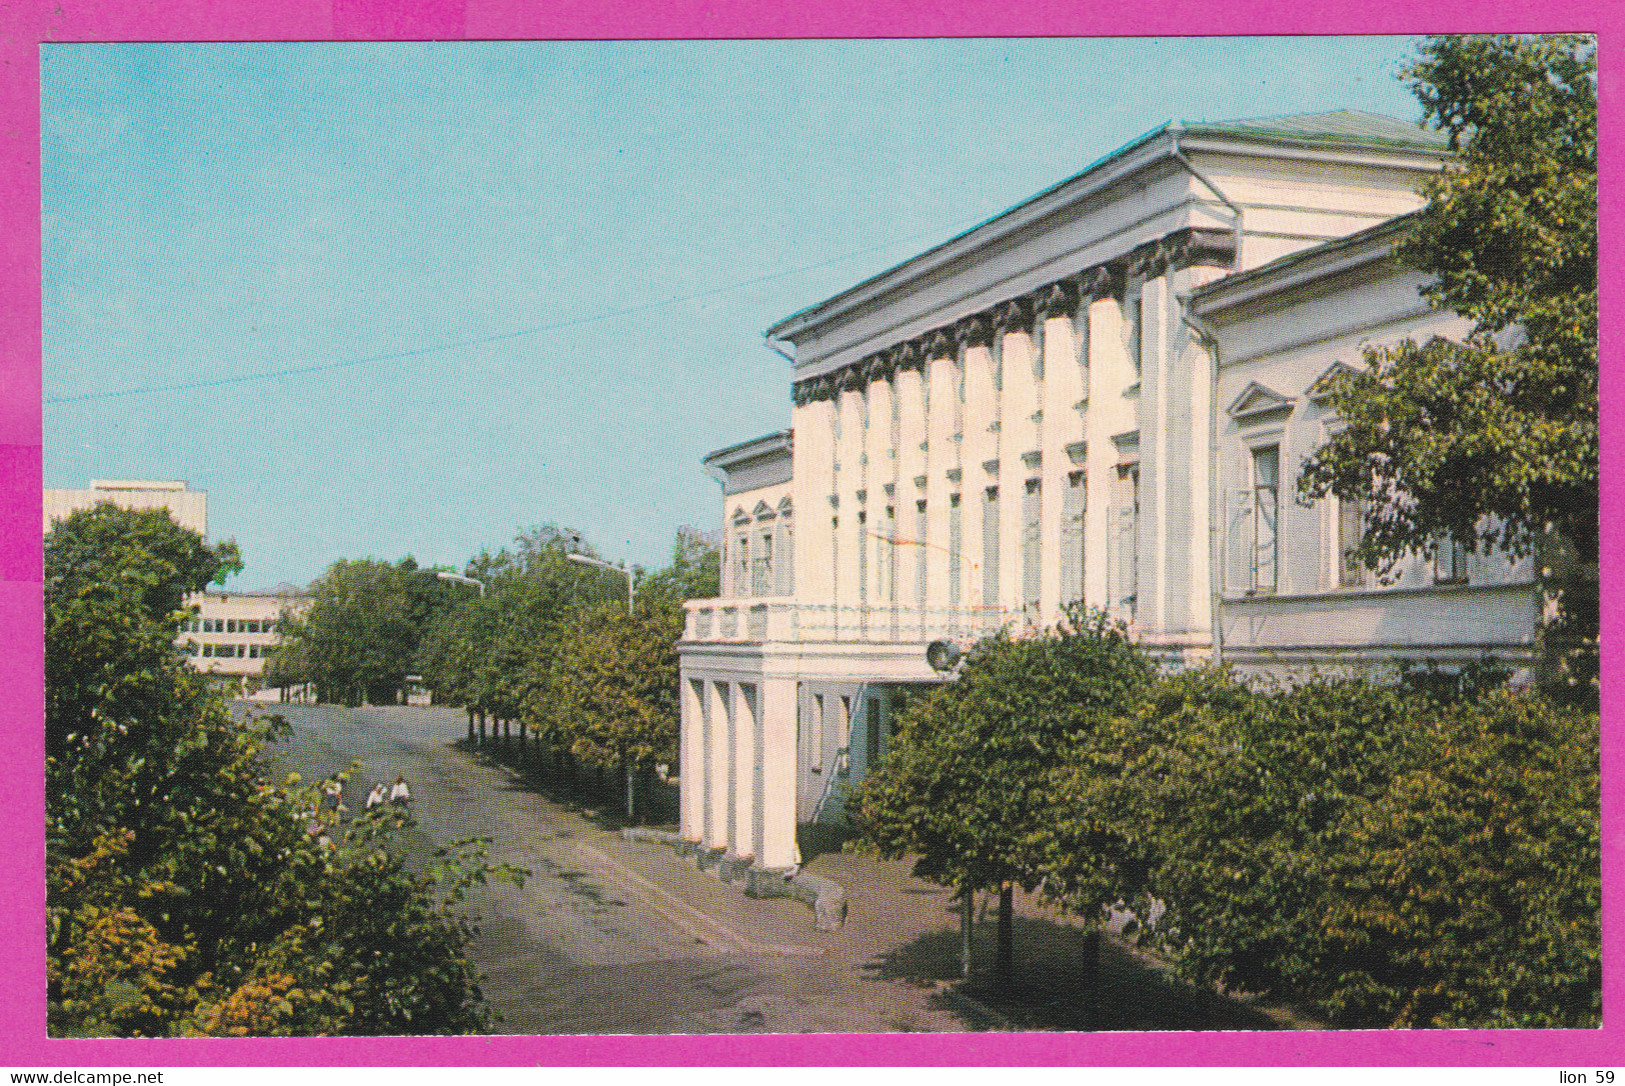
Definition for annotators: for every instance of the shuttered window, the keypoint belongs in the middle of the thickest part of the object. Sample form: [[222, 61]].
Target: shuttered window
[[919, 553], [1072, 511], [784, 571], [1351, 572], [1031, 558], [956, 533], [863, 556], [990, 547], [1266, 515]]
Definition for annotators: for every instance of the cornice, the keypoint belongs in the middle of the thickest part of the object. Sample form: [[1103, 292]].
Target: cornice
[[1061, 297]]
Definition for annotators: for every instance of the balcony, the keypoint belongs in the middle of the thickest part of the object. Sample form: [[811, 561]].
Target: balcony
[[757, 619]]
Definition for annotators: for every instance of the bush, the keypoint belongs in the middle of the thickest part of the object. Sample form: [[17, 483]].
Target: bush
[[1422, 854]]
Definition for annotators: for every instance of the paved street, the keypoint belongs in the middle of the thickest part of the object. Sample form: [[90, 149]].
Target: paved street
[[610, 936]]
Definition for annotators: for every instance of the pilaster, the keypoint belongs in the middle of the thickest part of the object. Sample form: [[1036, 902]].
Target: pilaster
[[978, 446], [1110, 412], [942, 456], [1062, 426]]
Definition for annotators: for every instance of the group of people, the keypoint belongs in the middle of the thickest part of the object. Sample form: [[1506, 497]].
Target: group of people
[[325, 811], [399, 793]]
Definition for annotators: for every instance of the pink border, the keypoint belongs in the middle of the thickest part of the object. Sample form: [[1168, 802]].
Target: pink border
[[28, 23]]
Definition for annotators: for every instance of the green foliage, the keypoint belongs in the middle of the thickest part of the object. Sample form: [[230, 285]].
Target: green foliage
[[359, 637], [1493, 441], [967, 784], [184, 893], [1419, 854]]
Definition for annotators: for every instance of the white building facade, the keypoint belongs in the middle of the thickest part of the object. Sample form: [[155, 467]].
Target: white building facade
[[188, 507], [1032, 415]]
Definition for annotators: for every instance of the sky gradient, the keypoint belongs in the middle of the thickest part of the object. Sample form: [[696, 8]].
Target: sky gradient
[[529, 280]]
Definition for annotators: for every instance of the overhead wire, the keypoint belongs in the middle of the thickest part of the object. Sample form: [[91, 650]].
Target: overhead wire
[[417, 352]]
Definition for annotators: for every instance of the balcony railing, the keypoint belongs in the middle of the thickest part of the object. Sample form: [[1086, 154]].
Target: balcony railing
[[778, 619]]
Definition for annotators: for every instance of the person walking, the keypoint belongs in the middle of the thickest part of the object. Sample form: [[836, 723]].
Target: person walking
[[400, 793], [375, 798]]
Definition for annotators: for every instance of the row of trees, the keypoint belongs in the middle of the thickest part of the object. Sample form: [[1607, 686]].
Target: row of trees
[[548, 644], [1422, 853], [1418, 853], [185, 893]]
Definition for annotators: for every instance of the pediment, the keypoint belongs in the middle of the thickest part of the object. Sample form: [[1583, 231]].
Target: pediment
[[762, 510], [1255, 399], [1318, 388]]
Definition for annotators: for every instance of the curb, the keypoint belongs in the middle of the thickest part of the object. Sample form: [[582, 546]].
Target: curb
[[826, 897]]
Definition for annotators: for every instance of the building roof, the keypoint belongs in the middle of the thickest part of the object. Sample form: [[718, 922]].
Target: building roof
[[1345, 127], [1336, 130], [1329, 257]]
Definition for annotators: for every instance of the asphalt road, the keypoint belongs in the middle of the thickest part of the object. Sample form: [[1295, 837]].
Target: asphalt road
[[609, 936]]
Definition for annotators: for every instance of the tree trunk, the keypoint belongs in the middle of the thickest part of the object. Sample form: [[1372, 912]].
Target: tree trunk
[[471, 727], [1091, 977], [1004, 966], [524, 751], [482, 727], [967, 921], [628, 773]]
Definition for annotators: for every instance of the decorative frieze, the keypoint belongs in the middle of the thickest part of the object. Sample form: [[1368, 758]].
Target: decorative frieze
[[1061, 298], [1057, 299], [1016, 315]]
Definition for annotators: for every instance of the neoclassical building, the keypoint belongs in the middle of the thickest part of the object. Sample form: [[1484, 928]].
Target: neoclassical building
[[1101, 395]]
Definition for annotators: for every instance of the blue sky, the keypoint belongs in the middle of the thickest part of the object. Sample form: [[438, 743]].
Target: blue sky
[[488, 214]]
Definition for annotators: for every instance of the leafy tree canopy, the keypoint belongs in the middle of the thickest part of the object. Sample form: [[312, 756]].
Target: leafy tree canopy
[[1491, 441]]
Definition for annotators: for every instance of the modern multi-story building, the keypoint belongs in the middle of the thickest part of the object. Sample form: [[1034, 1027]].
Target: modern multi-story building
[[1101, 395], [189, 508], [234, 633]]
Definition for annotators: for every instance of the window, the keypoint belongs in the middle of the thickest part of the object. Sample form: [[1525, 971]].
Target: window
[[1072, 510], [1136, 334], [1031, 570], [990, 547], [741, 584], [762, 563], [1266, 488], [919, 554], [835, 556], [956, 534], [191, 648], [874, 733], [1125, 540], [1351, 572], [863, 555], [253, 652], [231, 625], [1450, 562], [815, 736], [886, 551], [784, 570], [1038, 349]]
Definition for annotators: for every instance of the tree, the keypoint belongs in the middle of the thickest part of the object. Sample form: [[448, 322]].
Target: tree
[[967, 785], [183, 892], [1492, 442], [358, 639], [612, 690]]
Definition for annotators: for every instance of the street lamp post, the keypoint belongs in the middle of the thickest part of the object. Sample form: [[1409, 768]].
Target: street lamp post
[[448, 575], [622, 570]]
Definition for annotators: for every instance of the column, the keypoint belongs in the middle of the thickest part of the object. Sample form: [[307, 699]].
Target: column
[[1063, 425], [912, 446], [1110, 412], [691, 768], [719, 758], [880, 471], [848, 484], [776, 707], [1017, 438], [813, 484], [942, 456], [742, 836], [1157, 457], [978, 447]]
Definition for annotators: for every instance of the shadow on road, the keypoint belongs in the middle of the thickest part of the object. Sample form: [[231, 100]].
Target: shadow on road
[[1050, 987], [594, 795]]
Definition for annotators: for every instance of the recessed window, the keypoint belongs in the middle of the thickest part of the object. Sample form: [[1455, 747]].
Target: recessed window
[[1266, 510], [1351, 572], [1450, 562]]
